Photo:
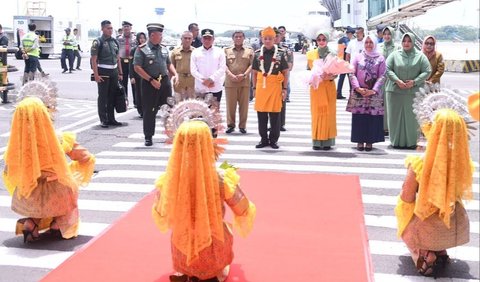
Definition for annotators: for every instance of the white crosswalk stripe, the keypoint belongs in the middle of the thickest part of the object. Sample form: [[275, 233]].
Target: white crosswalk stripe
[[129, 169]]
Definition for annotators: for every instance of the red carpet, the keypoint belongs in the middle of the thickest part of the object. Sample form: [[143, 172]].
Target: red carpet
[[309, 227]]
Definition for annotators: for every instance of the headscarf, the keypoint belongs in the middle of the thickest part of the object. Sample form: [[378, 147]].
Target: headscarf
[[388, 46], [323, 52], [412, 38], [33, 147], [374, 53], [424, 47], [446, 176], [190, 198]]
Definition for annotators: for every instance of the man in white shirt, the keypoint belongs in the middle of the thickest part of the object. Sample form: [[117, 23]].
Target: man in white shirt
[[355, 46], [208, 66]]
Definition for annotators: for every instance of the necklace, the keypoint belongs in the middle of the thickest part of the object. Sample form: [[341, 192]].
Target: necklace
[[262, 64]]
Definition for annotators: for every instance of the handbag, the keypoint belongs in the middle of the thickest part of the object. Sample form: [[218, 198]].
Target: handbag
[[120, 99]]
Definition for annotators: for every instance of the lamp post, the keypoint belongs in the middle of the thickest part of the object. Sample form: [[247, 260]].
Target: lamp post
[[119, 16], [78, 10]]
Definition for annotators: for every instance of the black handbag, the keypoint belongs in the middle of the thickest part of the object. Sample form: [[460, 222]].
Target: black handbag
[[120, 99]]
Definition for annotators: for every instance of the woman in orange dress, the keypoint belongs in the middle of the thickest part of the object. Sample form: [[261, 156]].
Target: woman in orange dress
[[44, 187], [323, 100], [190, 202]]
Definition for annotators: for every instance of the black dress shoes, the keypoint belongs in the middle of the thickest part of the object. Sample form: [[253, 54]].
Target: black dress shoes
[[148, 141], [243, 130], [230, 130], [341, 97], [282, 128], [274, 145], [115, 123], [261, 145], [316, 148], [327, 148], [103, 124]]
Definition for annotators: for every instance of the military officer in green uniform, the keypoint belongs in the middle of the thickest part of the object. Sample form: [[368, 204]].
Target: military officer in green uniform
[[107, 70], [152, 63]]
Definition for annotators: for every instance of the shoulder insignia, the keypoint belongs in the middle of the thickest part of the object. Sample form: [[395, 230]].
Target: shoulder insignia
[[257, 51], [95, 43]]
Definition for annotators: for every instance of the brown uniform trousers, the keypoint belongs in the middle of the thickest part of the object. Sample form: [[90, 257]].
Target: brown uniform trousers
[[238, 62], [186, 86]]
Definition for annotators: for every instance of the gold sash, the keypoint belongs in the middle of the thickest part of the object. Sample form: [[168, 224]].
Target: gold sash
[[269, 99]]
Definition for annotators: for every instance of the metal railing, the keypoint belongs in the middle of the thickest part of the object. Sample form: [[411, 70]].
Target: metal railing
[[403, 28]]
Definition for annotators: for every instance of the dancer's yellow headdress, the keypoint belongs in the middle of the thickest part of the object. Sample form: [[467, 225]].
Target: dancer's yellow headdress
[[445, 174], [33, 147], [190, 196]]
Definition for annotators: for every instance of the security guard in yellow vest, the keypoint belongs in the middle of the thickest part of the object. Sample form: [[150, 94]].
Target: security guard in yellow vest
[[67, 51], [152, 63], [30, 53]]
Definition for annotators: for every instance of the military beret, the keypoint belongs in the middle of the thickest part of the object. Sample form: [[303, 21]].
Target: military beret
[[126, 23], [155, 27], [207, 32]]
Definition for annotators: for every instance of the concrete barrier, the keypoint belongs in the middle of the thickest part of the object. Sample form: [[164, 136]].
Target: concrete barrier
[[462, 65]]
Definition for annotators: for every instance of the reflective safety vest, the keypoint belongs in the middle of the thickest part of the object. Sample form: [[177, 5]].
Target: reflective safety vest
[[28, 41], [71, 39]]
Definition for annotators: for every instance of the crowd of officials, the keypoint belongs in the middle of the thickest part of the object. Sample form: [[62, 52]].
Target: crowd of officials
[[197, 67]]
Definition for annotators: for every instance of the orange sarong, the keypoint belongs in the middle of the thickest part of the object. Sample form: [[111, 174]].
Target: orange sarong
[[269, 99]]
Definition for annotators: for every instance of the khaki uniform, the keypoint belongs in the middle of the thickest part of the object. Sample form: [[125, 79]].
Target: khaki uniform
[[186, 82], [238, 61]]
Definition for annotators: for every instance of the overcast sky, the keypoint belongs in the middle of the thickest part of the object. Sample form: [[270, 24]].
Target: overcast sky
[[179, 13]]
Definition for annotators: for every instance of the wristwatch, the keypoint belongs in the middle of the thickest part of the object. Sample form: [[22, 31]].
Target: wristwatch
[[150, 79]]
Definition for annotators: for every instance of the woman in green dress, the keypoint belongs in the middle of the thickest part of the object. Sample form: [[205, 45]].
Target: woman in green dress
[[386, 48], [407, 70]]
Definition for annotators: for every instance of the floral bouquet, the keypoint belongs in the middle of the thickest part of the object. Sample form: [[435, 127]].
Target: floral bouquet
[[331, 65]]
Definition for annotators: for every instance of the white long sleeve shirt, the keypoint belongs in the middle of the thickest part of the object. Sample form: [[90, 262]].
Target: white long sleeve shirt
[[208, 63]]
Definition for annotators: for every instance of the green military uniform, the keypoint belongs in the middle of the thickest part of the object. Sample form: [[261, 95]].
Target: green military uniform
[[106, 50], [289, 54], [154, 60]]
